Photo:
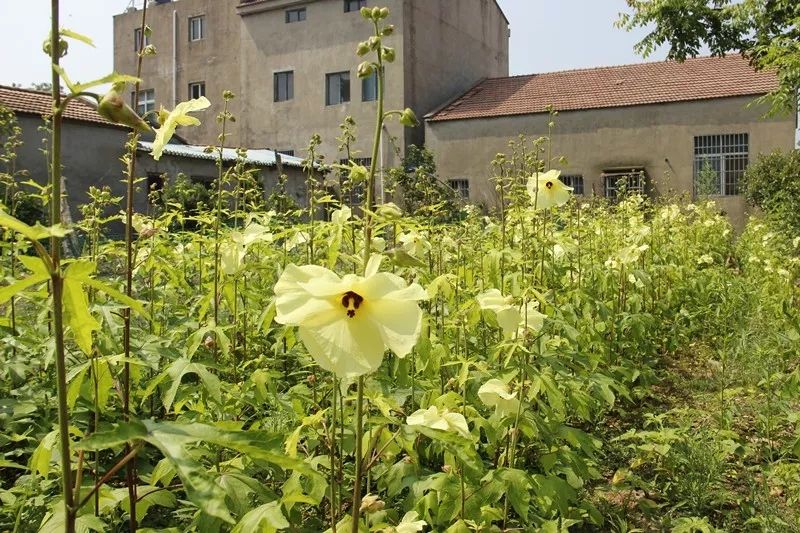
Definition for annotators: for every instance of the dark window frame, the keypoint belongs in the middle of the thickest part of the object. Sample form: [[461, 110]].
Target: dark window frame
[[575, 181], [295, 15], [354, 5], [460, 187], [201, 85], [202, 28], [344, 88], [283, 86]]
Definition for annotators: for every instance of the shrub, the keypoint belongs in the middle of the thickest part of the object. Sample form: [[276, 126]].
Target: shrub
[[773, 184]]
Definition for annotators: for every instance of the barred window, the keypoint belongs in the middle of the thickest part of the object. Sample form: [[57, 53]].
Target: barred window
[[461, 187], [720, 162], [295, 15], [617, 183], [573, 180]]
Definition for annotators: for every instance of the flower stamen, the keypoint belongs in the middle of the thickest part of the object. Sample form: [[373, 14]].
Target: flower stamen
[[549, 184], [351, 301]]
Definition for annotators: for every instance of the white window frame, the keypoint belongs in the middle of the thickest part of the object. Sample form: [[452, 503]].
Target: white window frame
[[201, 89], [146, 103], [197, 28], [636, 178], [137, 38], [728, 154], [575, 181]]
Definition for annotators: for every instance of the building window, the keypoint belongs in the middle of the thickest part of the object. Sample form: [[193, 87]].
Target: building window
[[617, 183], [354, 5], [197, 28], [295, 15], [283, 83], [146, 103], [137, 39], [290, 153], [197, 89], [461, 188], [337, 88], [573, 180], [369, 88], [719, 163]]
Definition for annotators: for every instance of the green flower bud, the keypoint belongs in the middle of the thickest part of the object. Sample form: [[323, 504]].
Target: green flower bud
[[365, 69], [366, 13], [63, 46], [388, 54], [358, 174], [374, 42], [376, 13], [388, 30], [389, 211], [228, 96], [408, 118], [113, 108], [384, 12], [363, 49]]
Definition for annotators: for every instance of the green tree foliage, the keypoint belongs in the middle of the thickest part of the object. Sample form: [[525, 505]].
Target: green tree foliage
[[423, 193], [766, 32], [773, 184]]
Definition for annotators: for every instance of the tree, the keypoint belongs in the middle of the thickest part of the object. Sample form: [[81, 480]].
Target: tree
[[766, 32], [773, 184]]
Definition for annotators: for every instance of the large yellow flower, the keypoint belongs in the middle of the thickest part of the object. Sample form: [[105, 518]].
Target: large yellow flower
[[443, 420], [511, 318], [546, 190], [348, 323], [495, 393]]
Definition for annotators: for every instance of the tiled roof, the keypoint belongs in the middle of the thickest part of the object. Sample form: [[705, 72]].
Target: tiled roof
[[627, 85], [41, 103], [258, 157]]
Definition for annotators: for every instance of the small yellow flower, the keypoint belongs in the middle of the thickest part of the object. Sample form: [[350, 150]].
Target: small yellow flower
[[346, 324], [177, 117], [410, 524], [546, 190], [510, 317], [432, 418], [495, 393]]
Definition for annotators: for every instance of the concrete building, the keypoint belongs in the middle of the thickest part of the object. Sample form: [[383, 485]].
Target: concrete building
[[292, 64], [92, 148], [663, 121]]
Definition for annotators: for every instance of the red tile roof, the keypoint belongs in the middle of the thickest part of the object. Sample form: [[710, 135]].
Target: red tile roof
[[41, 103], [627, 85]]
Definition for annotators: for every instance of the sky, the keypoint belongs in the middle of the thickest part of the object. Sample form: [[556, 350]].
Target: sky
[[546, 35]]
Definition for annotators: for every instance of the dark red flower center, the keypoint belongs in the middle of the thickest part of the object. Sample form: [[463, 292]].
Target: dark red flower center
[[549, 184], [351, 301]]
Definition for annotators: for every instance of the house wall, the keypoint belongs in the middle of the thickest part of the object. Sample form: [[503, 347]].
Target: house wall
[[658, 137], [90, 156], [449, 46]]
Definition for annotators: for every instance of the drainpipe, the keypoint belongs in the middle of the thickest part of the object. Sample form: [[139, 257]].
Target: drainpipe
[[174, 58]]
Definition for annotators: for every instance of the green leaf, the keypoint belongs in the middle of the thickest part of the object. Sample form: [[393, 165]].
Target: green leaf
[[9, 291], [173, 441], [148, 497], [77, 36], [32, 233], [43, 454], [181, 368], [76, 309], [135, 305], [267, 518]]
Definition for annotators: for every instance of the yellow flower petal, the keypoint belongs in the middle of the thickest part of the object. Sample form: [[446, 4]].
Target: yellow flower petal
[[347, 347], [546, 190], [177, 117]]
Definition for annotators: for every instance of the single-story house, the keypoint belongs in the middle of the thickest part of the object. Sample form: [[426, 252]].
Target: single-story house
[[92, 148], [660, 126]]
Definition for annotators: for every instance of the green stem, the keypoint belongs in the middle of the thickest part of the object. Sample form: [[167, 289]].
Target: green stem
[[359, 452], [56, 279]]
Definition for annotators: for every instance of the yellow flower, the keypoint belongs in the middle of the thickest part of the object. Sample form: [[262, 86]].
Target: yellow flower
[[410, 524], [546, 190], [346, 324], [177, 117], [431, 418], [495, 393], [509, 316], [233, 251]]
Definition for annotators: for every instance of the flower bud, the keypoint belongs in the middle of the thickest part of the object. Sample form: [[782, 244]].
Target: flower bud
[[384, 12], [374, 42], [388, 54], [376, 13], [362, 49], [209, 342], [408, 118], [388, 30], [366, 13], [365, 69], [389, 211], [149, 50], [358, 174], [371, 503], [63, 46]]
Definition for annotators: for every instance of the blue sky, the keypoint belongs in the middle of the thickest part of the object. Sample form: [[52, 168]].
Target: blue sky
[[546, 35]]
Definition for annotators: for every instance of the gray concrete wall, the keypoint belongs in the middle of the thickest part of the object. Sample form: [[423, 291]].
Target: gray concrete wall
[[658, 137], [449, 46]]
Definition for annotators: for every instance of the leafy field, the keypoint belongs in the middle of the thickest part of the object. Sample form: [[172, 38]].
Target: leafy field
[[238, 363]]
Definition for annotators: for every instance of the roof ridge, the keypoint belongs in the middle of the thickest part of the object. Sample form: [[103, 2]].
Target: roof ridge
[[612, 67]]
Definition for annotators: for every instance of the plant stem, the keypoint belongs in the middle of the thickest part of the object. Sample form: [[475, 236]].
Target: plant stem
[[359, 452], [56, 279]]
